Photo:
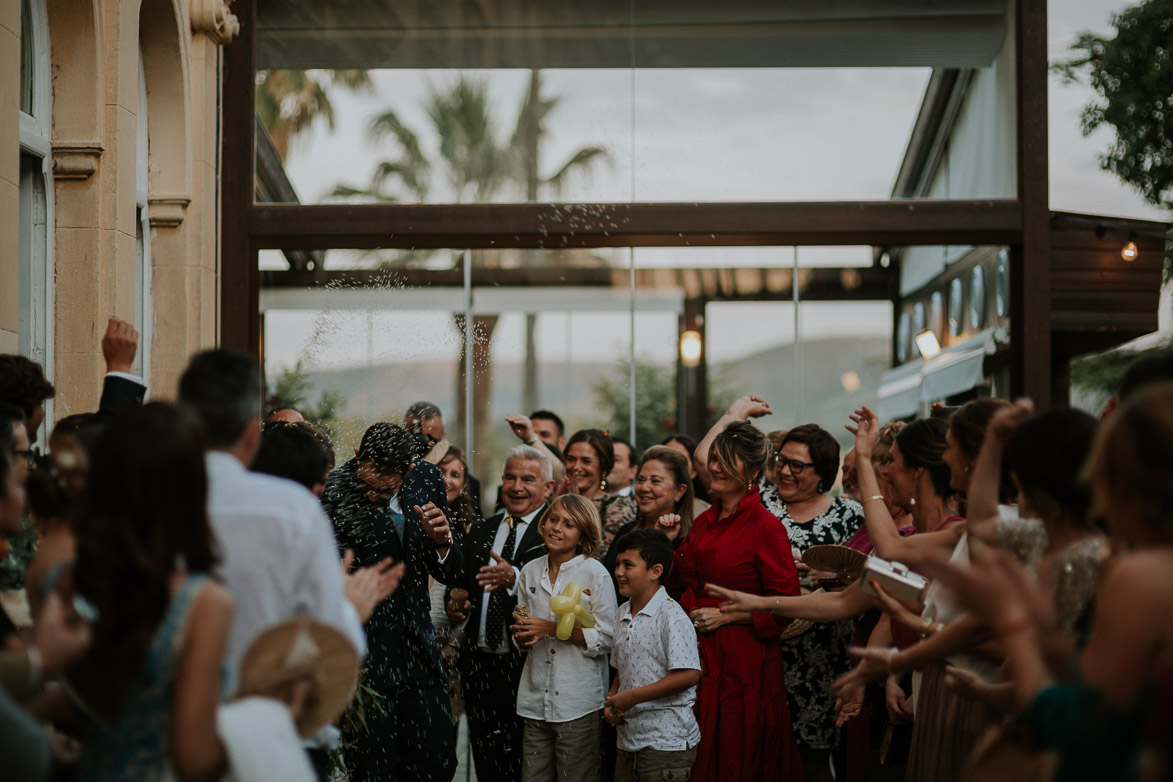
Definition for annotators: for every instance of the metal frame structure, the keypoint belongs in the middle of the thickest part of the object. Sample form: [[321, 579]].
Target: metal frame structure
[[1022, 223]]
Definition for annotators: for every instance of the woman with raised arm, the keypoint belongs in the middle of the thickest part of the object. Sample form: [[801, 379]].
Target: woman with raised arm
[[741, 703], [1099, 718], [917, 484], [1055, 536]]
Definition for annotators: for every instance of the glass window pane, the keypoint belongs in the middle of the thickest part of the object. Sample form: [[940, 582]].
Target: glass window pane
[[620, 102]]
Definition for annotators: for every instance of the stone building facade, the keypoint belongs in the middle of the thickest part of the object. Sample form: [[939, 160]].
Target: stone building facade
[[109, 197]]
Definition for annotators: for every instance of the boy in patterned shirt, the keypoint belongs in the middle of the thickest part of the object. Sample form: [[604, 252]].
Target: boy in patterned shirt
[[655, 652]]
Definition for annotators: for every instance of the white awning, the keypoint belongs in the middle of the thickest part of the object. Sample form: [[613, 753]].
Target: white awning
[[900, 392], [959, 368]]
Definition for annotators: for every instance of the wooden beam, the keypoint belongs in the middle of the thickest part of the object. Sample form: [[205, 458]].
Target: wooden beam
[[554, 226], [240, 326], [818, 284], [1030, 261]]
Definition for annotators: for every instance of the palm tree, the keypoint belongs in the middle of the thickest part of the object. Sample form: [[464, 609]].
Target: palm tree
[[289, 102], [475, 165]]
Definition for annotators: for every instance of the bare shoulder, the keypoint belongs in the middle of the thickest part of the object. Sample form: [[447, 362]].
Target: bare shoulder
[[212, 599], [1148, 570]]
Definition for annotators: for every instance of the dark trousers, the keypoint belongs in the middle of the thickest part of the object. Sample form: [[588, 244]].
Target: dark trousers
[[489, 683], [411, 738]]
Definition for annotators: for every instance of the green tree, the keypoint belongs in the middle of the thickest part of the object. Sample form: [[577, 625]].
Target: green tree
[[292, 389], [655, 401], [289, 102], [475, 162], [1132, 74]]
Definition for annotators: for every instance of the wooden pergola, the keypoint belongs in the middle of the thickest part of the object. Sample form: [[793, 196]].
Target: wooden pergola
[[1023, 223]]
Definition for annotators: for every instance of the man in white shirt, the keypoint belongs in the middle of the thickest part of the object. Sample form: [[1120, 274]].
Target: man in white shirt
[[278, 558], [490, 664]]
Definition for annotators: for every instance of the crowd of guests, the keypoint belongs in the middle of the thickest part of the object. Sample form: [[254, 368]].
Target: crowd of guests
[[983, 592]]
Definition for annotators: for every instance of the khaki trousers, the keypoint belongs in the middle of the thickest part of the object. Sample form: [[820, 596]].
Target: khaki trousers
[[654, 765], [562, 751]]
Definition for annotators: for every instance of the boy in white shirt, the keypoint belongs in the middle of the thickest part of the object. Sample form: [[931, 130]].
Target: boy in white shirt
[[655, 652], [564, 682]]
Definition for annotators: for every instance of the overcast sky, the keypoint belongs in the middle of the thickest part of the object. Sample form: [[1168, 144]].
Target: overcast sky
[[704, 135]]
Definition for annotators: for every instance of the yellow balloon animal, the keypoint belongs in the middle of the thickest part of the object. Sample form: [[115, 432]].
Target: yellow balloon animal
[[569, 612]]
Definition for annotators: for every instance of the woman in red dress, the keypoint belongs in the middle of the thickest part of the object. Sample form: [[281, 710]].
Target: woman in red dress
[[741, 700]]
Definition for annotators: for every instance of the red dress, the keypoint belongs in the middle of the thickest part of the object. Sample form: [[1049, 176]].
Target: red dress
[[741, 700]]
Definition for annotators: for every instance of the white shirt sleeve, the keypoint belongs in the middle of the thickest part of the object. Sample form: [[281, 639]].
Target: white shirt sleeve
[[603, 606], [680, 637], [318, 585]]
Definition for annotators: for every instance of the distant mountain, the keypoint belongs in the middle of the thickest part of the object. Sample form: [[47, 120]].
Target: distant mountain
[[385, 390], [825, 362]]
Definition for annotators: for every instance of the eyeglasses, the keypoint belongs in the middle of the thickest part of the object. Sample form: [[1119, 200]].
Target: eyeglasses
[[796, 467]]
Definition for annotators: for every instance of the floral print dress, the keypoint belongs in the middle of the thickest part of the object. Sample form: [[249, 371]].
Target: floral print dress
[[816, 658]]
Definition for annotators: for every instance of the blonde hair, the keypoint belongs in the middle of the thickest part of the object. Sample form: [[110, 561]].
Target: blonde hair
[[882, 451], [1130, 464], [585, 517]]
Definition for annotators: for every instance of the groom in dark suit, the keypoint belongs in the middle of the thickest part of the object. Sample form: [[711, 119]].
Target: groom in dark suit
[[387, 503], [496, 549]]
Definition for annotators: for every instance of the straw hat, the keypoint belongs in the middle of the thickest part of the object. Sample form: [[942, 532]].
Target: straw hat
[[285, 652]]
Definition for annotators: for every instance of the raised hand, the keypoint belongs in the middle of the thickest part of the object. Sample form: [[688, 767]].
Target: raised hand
[[435, 524], [522, 427], [500, 574], [749, 406], [866, 431], [119, 346], [1006, 420]]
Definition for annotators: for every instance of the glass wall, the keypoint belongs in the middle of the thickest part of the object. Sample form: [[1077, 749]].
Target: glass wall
[[612, 102], [580, 332]]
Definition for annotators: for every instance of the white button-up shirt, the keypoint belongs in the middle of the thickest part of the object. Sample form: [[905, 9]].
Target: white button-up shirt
[[659, 639], [562, 681], [278, 557]]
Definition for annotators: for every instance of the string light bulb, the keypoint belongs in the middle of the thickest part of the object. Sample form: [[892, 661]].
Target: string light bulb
[[1130, 251], [690, 348]]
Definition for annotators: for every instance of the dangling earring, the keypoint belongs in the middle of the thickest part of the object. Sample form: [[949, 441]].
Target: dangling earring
[[822, 488], [749, 485], [603, 485]]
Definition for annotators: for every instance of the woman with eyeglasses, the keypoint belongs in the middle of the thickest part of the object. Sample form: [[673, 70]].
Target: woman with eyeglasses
[[805, 466]]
